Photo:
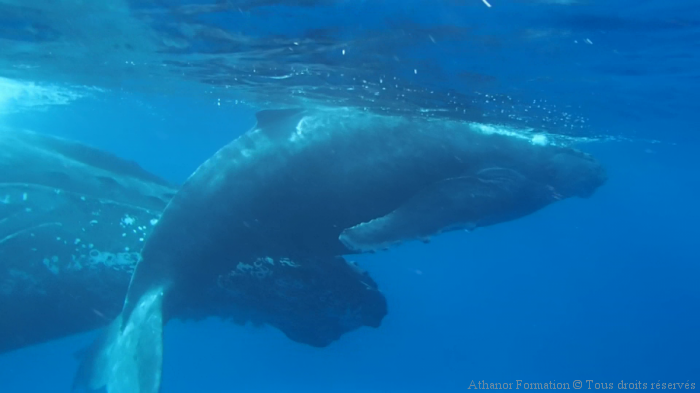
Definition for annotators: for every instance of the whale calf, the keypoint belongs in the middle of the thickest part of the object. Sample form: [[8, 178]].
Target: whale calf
[[73, 221], [315, 184]]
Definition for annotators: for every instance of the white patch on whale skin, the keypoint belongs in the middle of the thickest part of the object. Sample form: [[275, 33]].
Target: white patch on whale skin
[[120, 261], [300, 130], [258, 269], [52, 264], [490, 129], [288, 262], [243, 267], [539, 140], [128, 220]]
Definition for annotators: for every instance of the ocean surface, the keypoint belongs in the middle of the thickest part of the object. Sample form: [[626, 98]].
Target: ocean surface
[[605, 289]]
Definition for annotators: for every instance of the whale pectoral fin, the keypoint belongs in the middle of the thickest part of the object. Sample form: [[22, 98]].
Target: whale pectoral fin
[[455, 203], [128, 356]]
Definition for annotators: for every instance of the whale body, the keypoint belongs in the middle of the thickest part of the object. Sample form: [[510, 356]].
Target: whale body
[[316, 184]]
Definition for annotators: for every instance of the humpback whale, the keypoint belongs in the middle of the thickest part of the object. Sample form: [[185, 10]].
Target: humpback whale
[[73, 221], [315, 184], [72, 224]]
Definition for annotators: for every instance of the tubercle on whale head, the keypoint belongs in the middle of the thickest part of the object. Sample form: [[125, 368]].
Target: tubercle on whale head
[[574, 173]]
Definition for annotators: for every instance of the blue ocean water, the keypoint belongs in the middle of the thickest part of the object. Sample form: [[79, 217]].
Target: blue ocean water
[[603, 289]]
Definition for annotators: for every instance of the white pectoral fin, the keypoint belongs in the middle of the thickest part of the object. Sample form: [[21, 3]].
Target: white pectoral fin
[[128, 356]]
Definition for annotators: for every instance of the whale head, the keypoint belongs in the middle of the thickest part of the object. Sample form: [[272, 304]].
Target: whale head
[[574, 173]]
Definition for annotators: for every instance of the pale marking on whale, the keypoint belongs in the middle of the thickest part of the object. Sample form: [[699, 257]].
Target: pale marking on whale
[[15, 234], [4, 220], [257, 269], [300, 130], [60, 191], [537, 139], [52, 264]]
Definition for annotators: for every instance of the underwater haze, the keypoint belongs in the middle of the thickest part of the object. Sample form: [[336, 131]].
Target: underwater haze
[[603, 290]]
